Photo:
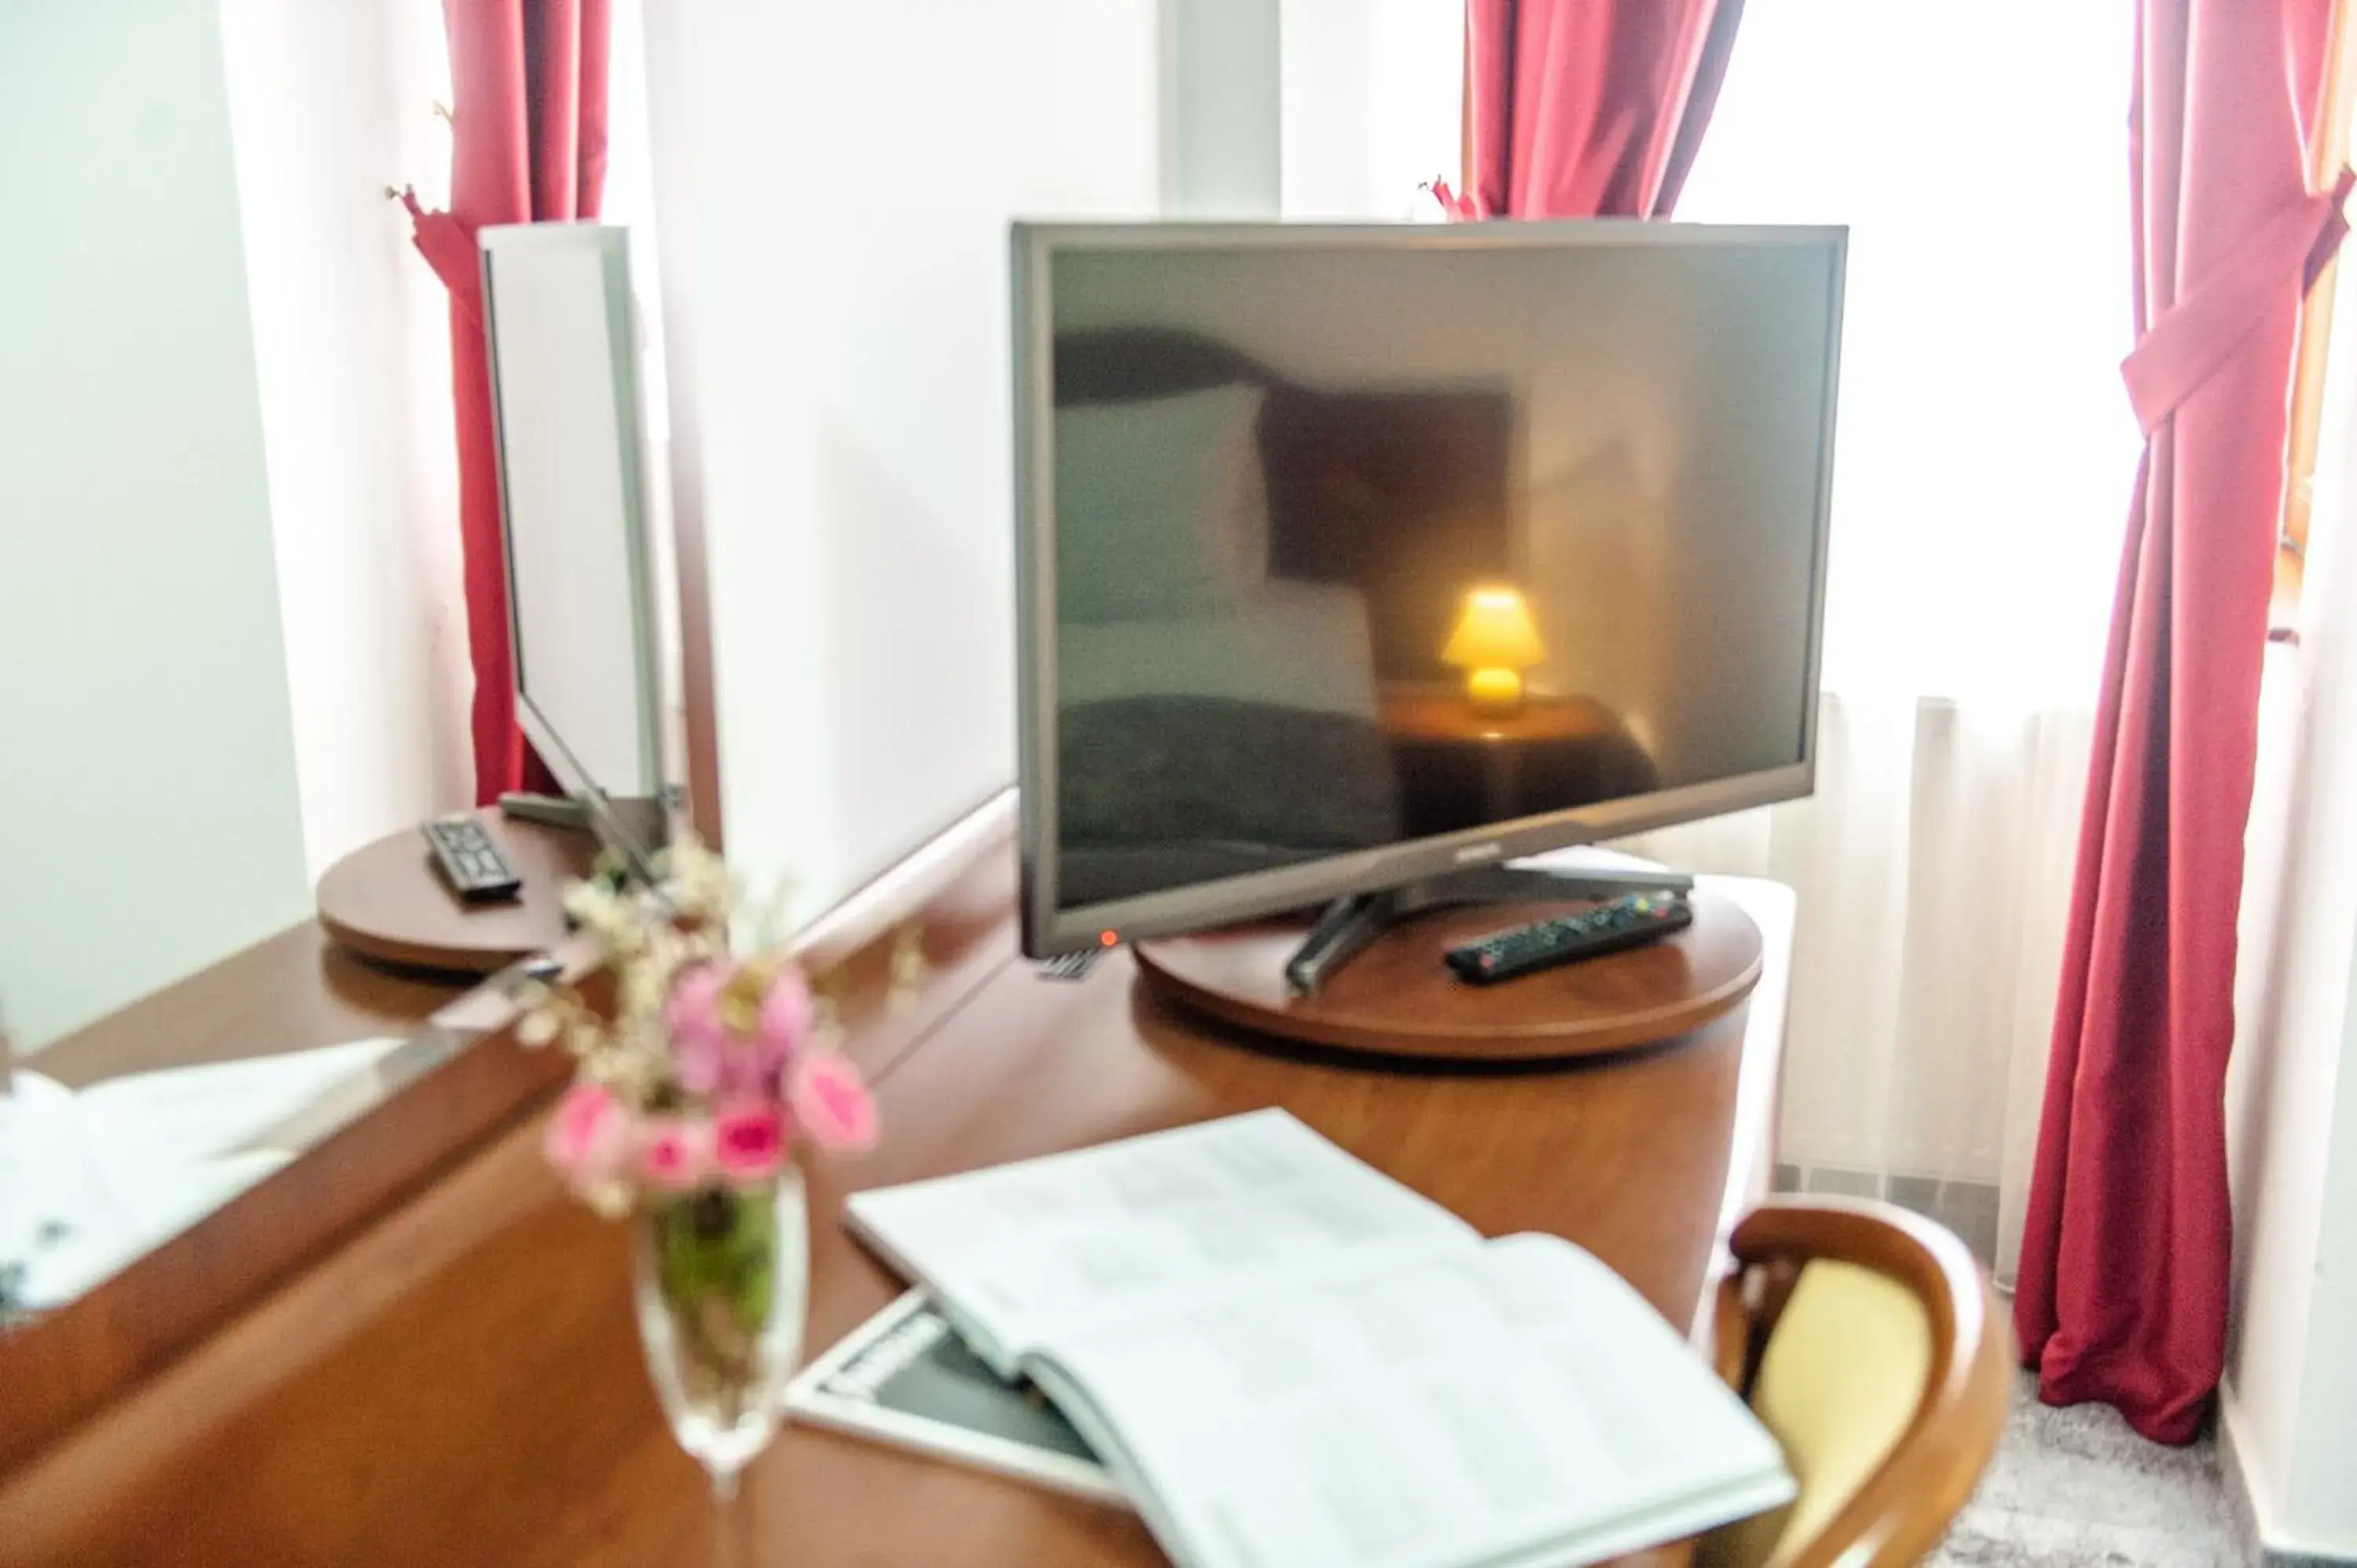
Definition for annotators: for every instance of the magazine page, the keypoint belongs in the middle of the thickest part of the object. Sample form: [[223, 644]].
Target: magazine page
[[1509, 1406], [1023, 1255]]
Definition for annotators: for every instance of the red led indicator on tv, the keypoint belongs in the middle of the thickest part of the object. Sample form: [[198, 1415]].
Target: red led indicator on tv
[[1107, 939]]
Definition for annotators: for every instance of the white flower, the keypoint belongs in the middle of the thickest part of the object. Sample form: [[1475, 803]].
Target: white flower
[[611, 1199]]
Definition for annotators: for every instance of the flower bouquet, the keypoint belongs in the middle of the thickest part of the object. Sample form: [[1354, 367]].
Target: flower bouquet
[[695, 1095]]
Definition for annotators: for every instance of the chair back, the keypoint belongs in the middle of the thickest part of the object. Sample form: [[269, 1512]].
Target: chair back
[[1870, 1343]]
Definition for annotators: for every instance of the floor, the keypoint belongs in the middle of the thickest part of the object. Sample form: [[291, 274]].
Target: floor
[[2075, 1488]]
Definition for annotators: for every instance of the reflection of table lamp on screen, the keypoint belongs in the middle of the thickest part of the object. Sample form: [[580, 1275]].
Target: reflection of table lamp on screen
[[1494, 643]]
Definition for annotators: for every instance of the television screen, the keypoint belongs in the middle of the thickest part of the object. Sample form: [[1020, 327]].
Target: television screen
[[1355, 553]]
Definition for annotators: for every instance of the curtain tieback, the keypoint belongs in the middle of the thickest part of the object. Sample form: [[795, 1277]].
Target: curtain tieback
[[449, 247], [2202, 331]]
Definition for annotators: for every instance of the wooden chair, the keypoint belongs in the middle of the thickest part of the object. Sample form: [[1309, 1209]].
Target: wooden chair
[[1871, 1344]]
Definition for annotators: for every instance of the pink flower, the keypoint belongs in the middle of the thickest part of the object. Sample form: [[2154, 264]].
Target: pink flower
[[749, 1141], [784, 1024], [699, 1037], [677, 1154], [831, 1103], [589, 1136], [735, 1027]]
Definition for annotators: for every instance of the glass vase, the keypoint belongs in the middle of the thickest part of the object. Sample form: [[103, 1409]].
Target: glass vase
[[722, 1280]]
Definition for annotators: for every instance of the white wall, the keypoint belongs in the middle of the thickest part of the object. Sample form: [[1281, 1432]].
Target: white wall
[[2321, 1495], [835, 183], [1372, 93], [148, 818], [1221, 102], [2290, 1398], [1313, 109], [329, 105]]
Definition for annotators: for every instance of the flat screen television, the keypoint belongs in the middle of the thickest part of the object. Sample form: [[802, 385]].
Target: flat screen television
[[562, 340], [1354, 556]]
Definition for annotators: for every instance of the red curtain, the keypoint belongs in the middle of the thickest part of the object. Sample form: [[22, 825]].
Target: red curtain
[[2124, 1259], [528, 145], [1588, 108]]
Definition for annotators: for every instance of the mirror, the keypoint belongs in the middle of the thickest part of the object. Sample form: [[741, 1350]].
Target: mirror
[[205, 618], [99, 1166], [242, 610]]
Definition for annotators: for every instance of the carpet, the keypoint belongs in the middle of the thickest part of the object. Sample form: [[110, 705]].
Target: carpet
[[2076, 1488]]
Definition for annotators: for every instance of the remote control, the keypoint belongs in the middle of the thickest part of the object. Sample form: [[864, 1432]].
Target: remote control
[[1625, 922], [471, 863]]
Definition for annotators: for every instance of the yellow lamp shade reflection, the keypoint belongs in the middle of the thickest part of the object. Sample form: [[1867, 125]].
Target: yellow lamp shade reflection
[[1494, 643]]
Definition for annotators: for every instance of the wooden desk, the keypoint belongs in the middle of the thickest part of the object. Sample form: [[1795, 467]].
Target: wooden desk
[[462, 1383]]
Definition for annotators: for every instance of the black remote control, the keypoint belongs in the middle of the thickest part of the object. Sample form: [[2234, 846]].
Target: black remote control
[[1625, 922], [470, 862]]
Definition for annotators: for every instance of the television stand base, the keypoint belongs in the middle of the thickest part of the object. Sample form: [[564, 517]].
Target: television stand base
[[549, 810], [1398, 1000], [1349, 923]]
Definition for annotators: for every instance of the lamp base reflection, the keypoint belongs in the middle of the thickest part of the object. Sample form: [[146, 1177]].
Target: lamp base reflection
[[1494, 691]]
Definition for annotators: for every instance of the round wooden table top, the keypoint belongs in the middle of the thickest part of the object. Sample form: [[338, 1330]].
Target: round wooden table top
[[1399, 999], [387, 901]]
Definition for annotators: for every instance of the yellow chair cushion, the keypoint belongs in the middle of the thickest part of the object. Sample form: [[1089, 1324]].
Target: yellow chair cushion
[[1843, 1372]]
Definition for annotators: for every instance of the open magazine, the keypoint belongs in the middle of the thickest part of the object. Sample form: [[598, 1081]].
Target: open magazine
[[1282, 1357]]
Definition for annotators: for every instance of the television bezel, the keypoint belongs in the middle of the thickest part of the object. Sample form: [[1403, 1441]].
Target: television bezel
[[1049, 930]]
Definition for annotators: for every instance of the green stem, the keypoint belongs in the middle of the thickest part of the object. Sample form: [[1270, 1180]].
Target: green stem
[[717, 1259]]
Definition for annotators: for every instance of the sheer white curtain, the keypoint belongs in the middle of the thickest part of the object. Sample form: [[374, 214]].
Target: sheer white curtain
[[1978, 155]]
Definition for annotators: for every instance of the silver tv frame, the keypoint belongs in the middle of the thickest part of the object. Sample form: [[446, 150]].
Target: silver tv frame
[[1048, 930], [632, 827]]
